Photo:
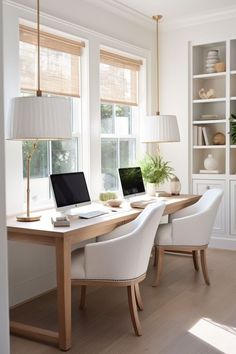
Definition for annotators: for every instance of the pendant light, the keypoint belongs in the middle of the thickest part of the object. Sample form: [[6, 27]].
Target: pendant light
[[159, 128]]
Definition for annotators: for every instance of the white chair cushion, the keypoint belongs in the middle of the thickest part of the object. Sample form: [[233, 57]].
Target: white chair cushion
[[164, 235], [77, 264]]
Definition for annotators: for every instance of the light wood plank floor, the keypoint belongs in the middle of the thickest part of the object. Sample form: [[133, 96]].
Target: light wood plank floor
[[170, 310]]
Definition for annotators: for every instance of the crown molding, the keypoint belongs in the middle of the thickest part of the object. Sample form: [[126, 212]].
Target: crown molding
[[200, 19], [118, 8], [121, 10]]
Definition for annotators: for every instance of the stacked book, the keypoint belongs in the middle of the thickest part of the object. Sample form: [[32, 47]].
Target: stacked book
[[201, 135], [59, 221]]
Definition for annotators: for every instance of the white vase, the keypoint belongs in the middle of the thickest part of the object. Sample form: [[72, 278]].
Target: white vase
[[151, 188], [210, 163]]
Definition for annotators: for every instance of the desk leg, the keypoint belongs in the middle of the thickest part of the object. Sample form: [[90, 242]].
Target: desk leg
[[63, 261]]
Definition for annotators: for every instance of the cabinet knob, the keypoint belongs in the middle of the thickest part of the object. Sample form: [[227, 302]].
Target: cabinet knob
[[208, 187]]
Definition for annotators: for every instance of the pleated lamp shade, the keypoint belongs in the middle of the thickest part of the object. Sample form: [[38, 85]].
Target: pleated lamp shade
[[40, 118], [160, 129]]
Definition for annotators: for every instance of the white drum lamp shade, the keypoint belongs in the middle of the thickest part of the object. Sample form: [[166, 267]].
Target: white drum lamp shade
[[160, 129], [40, 118]]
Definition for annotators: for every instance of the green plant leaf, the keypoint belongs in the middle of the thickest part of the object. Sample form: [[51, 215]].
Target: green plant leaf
[[233, 128], [155, 169]]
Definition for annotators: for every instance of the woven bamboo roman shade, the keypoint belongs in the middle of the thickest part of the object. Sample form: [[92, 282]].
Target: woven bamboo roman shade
[[119, 78], [59, 58]]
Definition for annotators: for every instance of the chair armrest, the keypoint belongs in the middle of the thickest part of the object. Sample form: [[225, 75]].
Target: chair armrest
[[193, 230], [119, 231], [190, 210], [110, 259]]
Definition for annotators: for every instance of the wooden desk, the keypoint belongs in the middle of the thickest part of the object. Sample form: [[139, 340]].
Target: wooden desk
[[43, 233]]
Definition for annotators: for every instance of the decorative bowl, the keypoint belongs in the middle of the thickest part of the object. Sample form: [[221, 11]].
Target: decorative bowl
[[114, 202]]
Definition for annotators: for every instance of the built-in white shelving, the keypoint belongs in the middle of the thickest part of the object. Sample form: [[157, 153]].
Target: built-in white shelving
[[210, 116]]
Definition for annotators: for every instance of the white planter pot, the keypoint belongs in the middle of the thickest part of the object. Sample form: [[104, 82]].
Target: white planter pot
[[151, 188]]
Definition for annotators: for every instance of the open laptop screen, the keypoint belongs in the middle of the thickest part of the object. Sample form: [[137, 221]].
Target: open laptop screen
[[131, 181]]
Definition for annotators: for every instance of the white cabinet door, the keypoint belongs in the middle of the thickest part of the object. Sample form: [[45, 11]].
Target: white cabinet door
[[233, 207], [200, 187]]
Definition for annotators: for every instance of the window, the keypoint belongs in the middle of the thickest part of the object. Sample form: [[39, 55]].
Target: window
[[119, 115], [60, 68]]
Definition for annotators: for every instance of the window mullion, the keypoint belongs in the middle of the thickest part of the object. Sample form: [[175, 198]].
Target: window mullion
[[118, 151], [113, 120], [50, 157]]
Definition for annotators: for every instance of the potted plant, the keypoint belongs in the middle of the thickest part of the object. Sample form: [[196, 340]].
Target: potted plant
[[233, 128], [155, 171]]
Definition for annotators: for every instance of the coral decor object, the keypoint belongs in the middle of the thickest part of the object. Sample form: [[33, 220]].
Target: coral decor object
[[211, 93]]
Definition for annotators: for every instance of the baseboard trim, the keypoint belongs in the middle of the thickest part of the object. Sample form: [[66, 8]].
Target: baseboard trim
[[32, 288], [32, 298], [226, 243]]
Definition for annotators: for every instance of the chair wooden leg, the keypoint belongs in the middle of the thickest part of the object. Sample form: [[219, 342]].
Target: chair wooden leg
[[160, 252], [204, 266], [133, 309], [195, 260], [82, 297], [138, 297], [155, 256]]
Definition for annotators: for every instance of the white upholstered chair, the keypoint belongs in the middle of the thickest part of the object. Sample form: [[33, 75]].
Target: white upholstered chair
[[120, 261], [189, 231]]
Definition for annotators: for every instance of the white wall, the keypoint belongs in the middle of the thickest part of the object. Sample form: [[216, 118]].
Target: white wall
[[35, 273], [174, 83], [4, 332]]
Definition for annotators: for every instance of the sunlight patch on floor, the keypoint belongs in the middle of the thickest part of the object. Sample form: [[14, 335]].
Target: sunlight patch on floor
[[217, 335]]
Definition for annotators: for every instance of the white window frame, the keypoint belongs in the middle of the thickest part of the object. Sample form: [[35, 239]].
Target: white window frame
[[90, 140], [118, 138]]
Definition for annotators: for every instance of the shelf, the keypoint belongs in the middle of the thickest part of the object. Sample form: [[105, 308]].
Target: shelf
[[233, 98], [208, 76], [232, 146], [233, 72], [211, 100], [212, 121], [208, 175], [209, 147]]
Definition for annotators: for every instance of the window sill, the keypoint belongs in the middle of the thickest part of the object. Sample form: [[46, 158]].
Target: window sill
[[39, 207]]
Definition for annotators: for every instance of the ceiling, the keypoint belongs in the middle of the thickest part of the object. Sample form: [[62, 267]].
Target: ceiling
[[177, 9]]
